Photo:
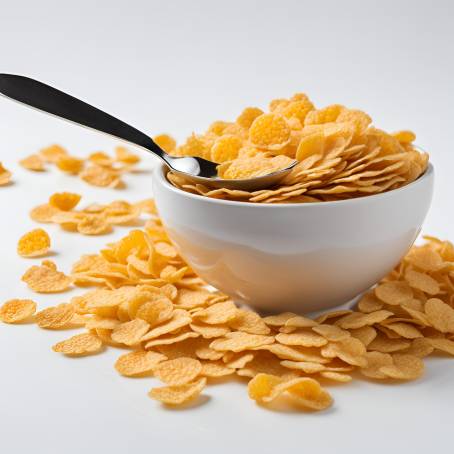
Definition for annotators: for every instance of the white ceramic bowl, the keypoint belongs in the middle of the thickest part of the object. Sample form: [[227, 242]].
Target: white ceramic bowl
[[299, 257]]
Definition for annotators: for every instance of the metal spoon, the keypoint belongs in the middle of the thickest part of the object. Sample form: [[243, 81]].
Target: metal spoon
[[55, 102]]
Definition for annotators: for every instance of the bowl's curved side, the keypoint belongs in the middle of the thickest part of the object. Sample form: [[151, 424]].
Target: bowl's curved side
[[294, 257]]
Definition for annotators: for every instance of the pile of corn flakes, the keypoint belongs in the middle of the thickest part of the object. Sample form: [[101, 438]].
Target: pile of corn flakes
[[340, 155], [148, 300], [95, 219], [99, 169]]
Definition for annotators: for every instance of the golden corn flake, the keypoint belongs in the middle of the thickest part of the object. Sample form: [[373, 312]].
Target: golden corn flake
[[33, 162], [5, 175], [440, 315], [122, 154], [52, 153], [55, 317], [180, 394], [81, 344], [422, 281], [138, 363], [64, 201], [358, 319], [444, 345], [43, 213], [249, 322], [305, 392], [404, 367], [394, 292], [239, 341], [375, 361], [130, 333], [45, 279], [269, 131], [302, 338], [331, 332], [34, 244], [350, 350], [93, 224], [101, 176], [70, 164], [225, 148], [216, 369], [209, 331], [166, 142], [17, 310], [178, 371], [218, 313]]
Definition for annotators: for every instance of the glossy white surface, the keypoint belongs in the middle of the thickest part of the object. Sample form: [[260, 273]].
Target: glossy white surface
[[174, 66], [298, 257]]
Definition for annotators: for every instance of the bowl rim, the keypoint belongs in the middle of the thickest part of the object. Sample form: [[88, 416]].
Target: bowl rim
[[160, 171]]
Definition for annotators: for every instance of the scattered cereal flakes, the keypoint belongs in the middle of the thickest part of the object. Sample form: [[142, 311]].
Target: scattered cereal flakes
[[440, 315], [180, 394], [404, 367], [5, 175], [81, 344], [130, 333], [43, 213], [239, 341], [138, 363], [52, 153], [64, 201], [265, 362], [17, 310], [33, 162], [178, 371], [45, 279], [171, 339], [101, 176], [34, 243], [55, 317], [394, 292], [122, 154], [70, 164]]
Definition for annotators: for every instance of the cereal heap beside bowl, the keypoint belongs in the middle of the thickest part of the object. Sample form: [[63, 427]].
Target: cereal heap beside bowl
[[340, 155]]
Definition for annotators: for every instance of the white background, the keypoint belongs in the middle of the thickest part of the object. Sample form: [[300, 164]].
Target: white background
[[175, 66]]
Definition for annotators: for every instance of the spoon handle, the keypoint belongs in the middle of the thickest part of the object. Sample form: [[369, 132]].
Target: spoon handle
[[55, 102]]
